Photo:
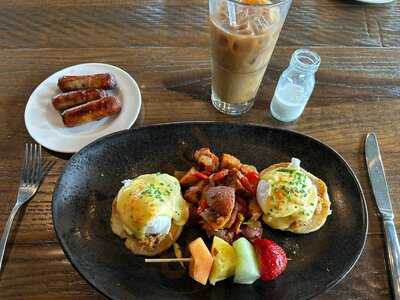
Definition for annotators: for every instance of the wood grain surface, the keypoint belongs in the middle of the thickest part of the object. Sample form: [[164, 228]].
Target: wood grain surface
[[163, 44]]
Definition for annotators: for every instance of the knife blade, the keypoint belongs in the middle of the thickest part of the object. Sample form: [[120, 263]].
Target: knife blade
[[377, 176], [380, 189]]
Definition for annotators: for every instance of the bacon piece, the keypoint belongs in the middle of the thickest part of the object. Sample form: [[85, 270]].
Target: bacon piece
[[201, 175], [250, 182], [247, 169], [229, 161], [206, 160], [202, 206], [193, 193], [219, 176], [234, 180], [190, 177]]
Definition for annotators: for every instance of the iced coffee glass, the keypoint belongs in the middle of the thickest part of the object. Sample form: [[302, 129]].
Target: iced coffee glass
[[243, 37]]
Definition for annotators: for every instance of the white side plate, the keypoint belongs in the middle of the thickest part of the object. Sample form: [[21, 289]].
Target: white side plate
[[45, 125]]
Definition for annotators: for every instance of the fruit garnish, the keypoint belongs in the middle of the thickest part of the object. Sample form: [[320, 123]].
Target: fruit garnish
[[272, 259], [247, 269], [224, 260], [201, 263]]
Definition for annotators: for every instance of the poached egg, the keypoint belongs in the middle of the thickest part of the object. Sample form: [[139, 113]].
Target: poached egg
[[148, 205], [287, 195]]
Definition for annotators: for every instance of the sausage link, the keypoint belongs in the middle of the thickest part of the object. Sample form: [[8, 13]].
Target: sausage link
[[91, 111], [104, 81], [67, 100]]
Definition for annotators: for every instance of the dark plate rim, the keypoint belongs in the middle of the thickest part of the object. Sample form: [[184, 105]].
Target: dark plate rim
[[91, 280]]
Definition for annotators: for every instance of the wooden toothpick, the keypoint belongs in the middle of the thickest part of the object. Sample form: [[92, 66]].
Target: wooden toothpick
[[166, 260]]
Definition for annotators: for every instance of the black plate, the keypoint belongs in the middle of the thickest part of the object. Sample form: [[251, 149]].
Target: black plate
[[84, 192]]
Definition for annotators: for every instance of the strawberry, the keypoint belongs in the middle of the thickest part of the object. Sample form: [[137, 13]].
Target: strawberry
[[272, 259]]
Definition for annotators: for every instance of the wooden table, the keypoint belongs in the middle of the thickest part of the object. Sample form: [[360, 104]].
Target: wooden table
[[163, 44]]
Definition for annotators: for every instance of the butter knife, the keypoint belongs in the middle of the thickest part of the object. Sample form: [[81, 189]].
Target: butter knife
[[381, 192]]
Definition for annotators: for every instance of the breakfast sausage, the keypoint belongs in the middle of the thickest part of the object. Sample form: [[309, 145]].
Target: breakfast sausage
[[104, 81], [67, 100], [91, 111]]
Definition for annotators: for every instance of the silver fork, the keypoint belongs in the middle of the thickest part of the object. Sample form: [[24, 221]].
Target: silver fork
[[33, 171]]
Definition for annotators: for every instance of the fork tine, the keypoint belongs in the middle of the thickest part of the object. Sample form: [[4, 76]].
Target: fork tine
[[24, 164], [32, 164], [36, 164], [40, 162], [29, 165], [40, 154]]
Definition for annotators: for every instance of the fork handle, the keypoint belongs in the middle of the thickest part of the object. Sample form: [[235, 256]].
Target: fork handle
[[6, 232]]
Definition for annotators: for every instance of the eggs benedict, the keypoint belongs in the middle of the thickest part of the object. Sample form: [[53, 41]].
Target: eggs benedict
[[149, 212], [292, 199]]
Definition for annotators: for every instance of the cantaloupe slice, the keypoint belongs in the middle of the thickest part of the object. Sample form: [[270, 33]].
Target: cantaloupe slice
[[224, 260], [201, 263]]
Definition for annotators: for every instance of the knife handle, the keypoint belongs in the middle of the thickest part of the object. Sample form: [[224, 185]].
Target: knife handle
[[393, 252]]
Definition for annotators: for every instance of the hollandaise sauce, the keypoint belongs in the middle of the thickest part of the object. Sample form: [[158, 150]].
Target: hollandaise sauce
[[291, 193], [148, 197]]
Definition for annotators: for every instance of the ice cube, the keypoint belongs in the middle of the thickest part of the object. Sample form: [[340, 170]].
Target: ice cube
[[260, 24]]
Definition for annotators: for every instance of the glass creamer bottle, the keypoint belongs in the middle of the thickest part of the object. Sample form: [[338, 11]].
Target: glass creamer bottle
[[295, 86]]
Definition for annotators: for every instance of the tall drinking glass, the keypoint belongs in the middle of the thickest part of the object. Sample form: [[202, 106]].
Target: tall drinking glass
[[243, 37]]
